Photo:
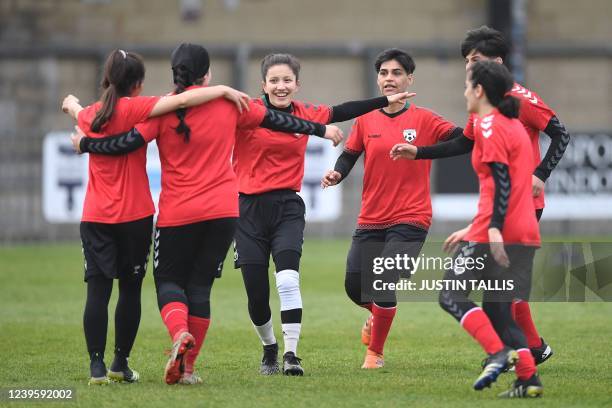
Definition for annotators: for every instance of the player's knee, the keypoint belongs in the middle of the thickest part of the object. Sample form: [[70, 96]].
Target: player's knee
[[446, 300], [198, 298], [288, 286], [288, 259], [167, 292], [352, 286], [259, 313]]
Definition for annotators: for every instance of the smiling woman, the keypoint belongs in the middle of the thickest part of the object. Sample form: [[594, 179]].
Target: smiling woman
[[270, 169]]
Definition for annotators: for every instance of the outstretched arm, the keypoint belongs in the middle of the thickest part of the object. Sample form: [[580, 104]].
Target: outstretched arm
[[458, 144], [110, 145], [198, 96], [353, 109], [284, 122]]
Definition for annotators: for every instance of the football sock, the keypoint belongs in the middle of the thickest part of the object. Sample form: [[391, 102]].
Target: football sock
[[198, 327], [521, 313], [266, 333], [174, 316], [525, 367], [381, 324], [291, 336], [478, 325]]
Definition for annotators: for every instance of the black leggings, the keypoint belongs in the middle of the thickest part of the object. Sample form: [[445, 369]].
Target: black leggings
[[497, 305], [257, 285], [127, 314], [190, 257]]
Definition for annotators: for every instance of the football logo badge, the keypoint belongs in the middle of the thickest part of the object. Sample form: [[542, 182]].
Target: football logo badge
[[410, 135]]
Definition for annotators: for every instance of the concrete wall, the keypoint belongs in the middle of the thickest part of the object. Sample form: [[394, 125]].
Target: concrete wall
[[579, 89]]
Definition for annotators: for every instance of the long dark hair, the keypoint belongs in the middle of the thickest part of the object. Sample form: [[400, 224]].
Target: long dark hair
[[122, 72], [497, 82], [190, 63]]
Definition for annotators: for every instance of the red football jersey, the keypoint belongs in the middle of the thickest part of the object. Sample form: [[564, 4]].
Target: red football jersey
[[534, 114], [266, 160], [198, 182], [118, 187], [396, 192], [504, 140]]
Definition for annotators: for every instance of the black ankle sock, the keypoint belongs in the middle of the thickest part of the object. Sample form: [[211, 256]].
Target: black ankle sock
[[96, 356], [120, 362]]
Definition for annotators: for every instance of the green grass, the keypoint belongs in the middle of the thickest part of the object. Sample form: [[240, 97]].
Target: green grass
[[430, 361]]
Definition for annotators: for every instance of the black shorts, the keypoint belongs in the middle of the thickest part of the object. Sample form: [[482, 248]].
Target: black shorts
[[116, 250], [368, 243], [518, 273], [269, 223], [538, 213], [182, 252]]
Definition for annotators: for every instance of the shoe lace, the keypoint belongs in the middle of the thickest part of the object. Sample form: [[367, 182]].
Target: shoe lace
[[293, 359]]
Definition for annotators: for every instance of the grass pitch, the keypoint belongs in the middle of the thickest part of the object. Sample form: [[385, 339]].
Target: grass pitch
[[430, 360]]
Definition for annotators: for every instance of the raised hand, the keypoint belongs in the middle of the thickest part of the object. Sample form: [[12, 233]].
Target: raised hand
[[401, 97], [71, 106], [403, 151], [331, 178]]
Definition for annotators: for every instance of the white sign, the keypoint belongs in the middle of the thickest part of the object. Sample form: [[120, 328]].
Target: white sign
[[65, 176], [321, 205], [154, 173], [580, 187], [64, 179]]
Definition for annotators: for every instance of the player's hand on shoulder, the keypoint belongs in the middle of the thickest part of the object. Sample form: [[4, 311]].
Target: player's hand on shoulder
[[331, 178], [334, 134], [401, 97], [496, 242], [403, 151], [240, 99], [450, 244], [537, 186]]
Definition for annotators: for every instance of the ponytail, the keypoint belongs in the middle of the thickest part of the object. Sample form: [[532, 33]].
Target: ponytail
[[509, 106], [109, 100], [182, 79], [123, 71]]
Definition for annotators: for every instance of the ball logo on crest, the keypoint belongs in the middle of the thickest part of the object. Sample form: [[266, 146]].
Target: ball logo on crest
[[410, 135]]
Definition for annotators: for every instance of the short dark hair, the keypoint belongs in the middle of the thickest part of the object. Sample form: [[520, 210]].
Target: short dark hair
[[271, 60], [401, 56], [497, 82], [487, 41]]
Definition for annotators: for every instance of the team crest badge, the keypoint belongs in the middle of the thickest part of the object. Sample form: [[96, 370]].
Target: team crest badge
[[410, 135]]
